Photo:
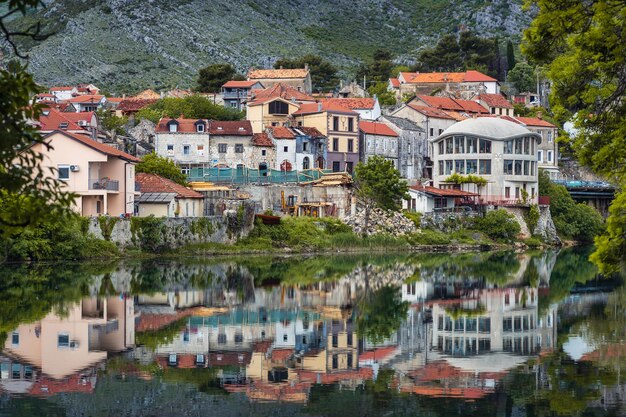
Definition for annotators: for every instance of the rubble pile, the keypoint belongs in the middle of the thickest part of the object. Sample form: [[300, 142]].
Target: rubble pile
[[381, 221]]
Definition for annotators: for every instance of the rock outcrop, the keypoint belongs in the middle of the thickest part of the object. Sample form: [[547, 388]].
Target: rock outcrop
[[381, 221]]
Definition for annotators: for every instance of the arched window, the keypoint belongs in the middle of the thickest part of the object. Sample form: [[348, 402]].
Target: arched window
[[306, 163]]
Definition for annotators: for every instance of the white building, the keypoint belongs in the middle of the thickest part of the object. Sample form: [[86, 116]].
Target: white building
[[502, 152]]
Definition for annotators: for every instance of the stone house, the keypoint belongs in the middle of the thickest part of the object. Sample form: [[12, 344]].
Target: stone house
[[378, 139], [495, 104], [231, 144], [432, 120], [263, 156], [130, 106], [413, 150], [456, 108], [368, 108], [298, 148], [339, 125], [425, 199], [463, 85], [235, 93], [298, 78], [90, 102], [83, 123], [162, 197], [185, 141]]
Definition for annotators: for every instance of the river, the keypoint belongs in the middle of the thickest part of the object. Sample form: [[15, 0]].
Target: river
[[484, 334]]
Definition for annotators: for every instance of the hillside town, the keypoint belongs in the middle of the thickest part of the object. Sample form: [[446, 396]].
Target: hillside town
[[308, 144]]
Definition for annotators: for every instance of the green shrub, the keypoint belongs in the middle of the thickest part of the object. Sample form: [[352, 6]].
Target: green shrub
[[149, 233], [416, 218], [533, 242], [532, 218], [498, 224], [428, 237]]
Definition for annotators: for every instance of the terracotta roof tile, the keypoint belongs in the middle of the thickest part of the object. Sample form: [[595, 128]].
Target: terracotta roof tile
[[237, 128], [52, 119], [352, 103], [444, 77], [312, 108], [239, 84], [477, 76], [495, 100], [310, 131], [89, 98], [441, 192], [447, 103], [535, 121], [281, 90], [430, 111], [277, 73], [281, 132], [135, 104], [374, 128], [262, 139], [100, 147], [152, 183], [395, 83], [184, 125]]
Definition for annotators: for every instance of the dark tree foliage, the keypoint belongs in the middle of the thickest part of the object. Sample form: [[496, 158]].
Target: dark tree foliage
[[510, 55], [213, 77], [323, 73], [378, 69]]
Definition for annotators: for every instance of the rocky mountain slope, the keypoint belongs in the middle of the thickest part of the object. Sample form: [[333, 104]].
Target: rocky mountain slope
[[127, 45]]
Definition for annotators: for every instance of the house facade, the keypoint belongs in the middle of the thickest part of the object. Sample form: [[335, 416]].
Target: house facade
[[63, 93], [500, 151], [263, 152], [185, 141], [340, 126], [367, 108], [162, 197], [102, 177], [378, 139], [270, 112], [548, 149], [298, 78], [298, 148], [230, 144], [426, 199], [496, 104], [464, 85], [432, 120], [235, 93], [413, 148], [84, 103]]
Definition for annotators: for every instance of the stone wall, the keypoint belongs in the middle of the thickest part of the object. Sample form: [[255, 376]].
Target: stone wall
[[545, 228], [158, 234], [447, 222]]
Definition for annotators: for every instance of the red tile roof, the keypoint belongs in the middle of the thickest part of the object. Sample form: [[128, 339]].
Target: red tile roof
[[312, 108], [152, 183], [377, 354], [100, 147], [310, 131], [281, 132], [395, 83], [443, 77], [477, 76], [239, 84], [229, 358], [184, 125], [374, 128], [280, 90], [441, 192], [352, 103], [135, 104], [430, 111], [281, 354], [534, 121], [51, 119], [90, 98], [447, 103], [262, 139], [277, 73], [236, 128], [115, 99], [74, 383], [495, 100]]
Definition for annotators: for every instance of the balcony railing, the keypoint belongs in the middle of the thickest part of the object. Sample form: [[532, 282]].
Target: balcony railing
[[502, 200], [104, 184]]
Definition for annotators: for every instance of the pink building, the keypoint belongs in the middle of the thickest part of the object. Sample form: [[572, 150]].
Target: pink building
[[102, 176]]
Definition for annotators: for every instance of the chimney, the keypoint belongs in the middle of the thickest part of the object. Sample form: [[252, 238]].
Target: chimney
[[539, 115], [319, 106], [306, 67]]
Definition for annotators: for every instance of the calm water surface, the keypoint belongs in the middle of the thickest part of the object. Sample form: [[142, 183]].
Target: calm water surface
[[500, 334]]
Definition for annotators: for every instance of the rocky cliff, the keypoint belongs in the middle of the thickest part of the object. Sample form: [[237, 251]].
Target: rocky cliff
[[127, 45]]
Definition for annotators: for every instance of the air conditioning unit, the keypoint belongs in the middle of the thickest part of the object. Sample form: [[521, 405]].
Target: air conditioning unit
[[83, 123], [74, 168], [74, 344]]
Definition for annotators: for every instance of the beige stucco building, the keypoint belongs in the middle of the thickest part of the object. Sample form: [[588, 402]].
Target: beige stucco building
[[102, 176]]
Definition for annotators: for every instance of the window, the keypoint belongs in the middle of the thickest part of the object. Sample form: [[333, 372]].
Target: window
[[449, 145], [238, 338], [200, 149], [278, 107], [470, 325], [508, 146], [517, 192], [350, 124], [471, 145], [349, 360], [16, 371], [459, 166], [335, 362], [526, 146], [64, 172], [518, 146], [263, 152], [305, 146], [173, 127], [507, 192], [335, 339], [526, 167], [449, 165], [335, 123], [285, 148], [349, 166], [63, 125], [471, 166], [336, 166], [200, 127], [222, 147], [350, 145], [518, 167], [484, 325], [170, 149], [336, 144], [549, 136], [485, 167], [432, 131], [540, 156], [440, 131], [549, 156], [15, 339], [238, 148], [508, 167], [440, 147], [459, 144], [485, 146], [305, 163], [350, 339], [507, 324], [63, 340], [441, 172], [441, 202], [186, 149], [221, 338]]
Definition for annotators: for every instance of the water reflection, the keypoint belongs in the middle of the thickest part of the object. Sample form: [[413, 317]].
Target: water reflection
[[469, 328]]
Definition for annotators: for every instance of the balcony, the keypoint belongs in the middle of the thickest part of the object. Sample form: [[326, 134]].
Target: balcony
[[104, 184], [240, 94]]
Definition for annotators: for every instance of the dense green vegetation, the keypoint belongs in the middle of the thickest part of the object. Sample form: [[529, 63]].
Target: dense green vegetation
[[211, 78], [323, 73], [191, 107], [164, 167], [572, 220]]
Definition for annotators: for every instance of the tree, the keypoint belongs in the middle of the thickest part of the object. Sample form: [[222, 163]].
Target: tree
[[510, 55], [385, 97], [611, 247], [213, 77], [194, 107], [445, 56], [323, 73], [112, 123], [522, 77], [166, 168], [581, 45], [378, 69], [380, 314], [378, 184]]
